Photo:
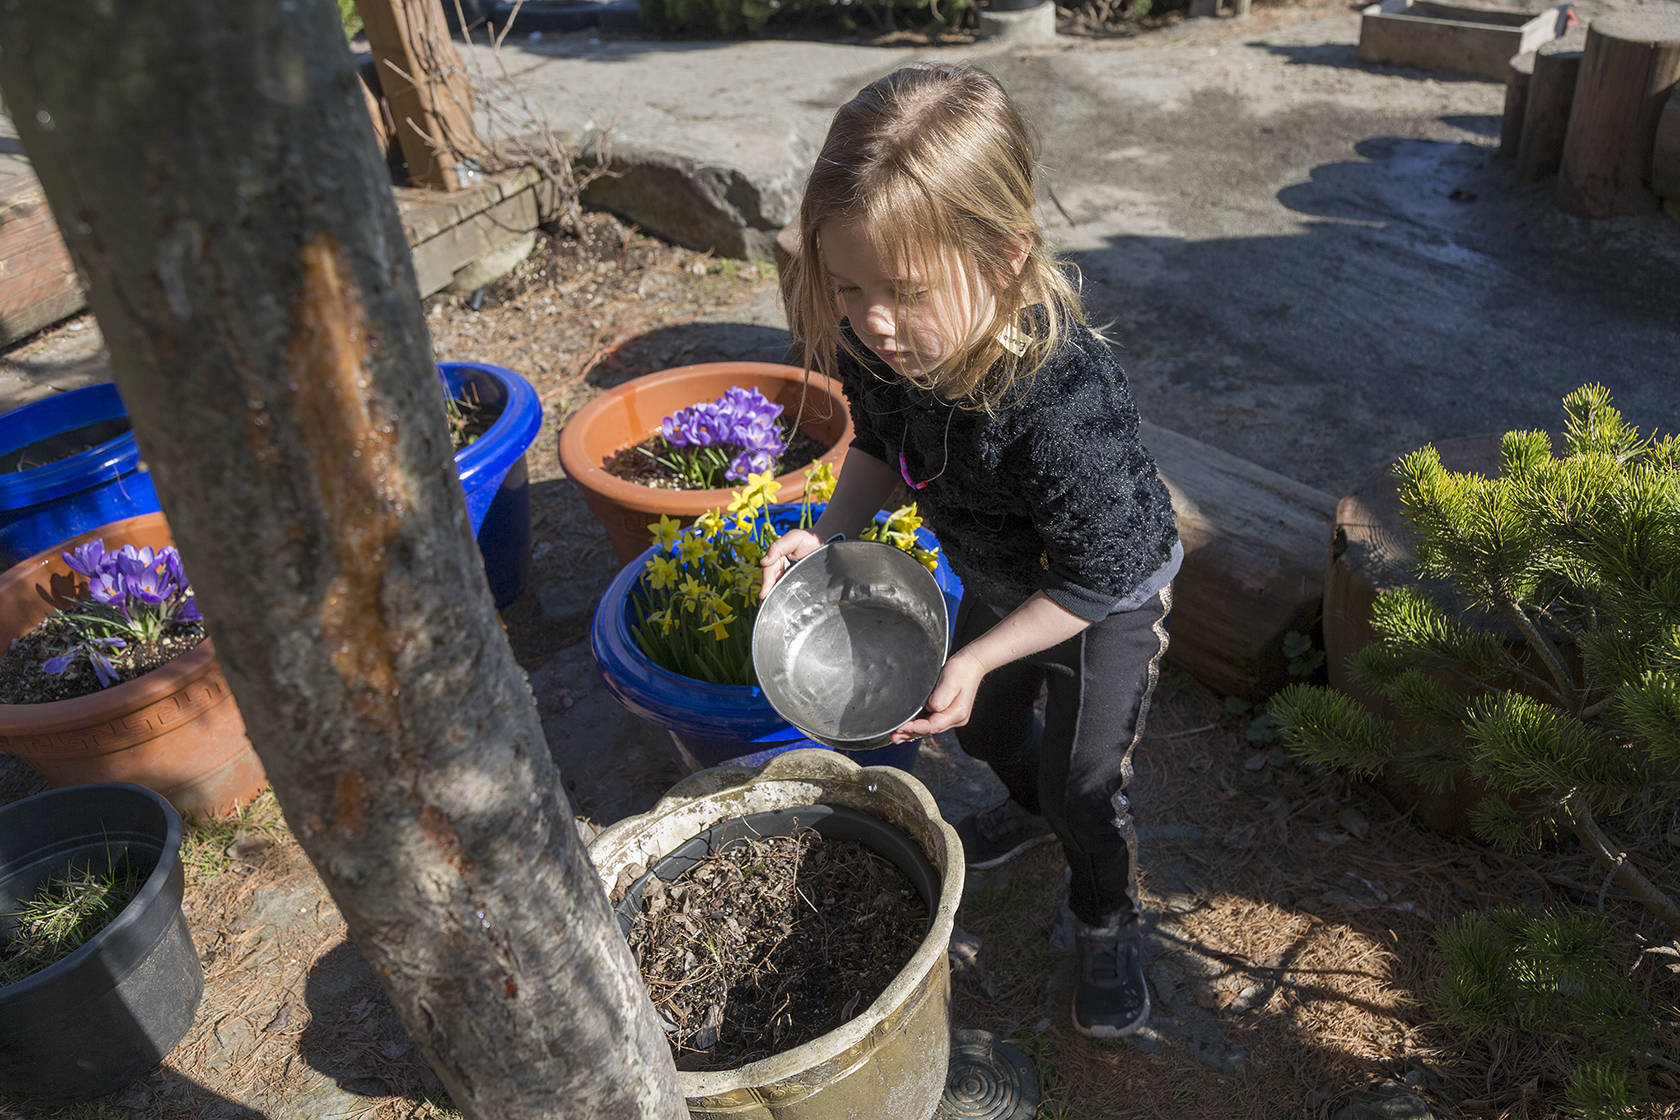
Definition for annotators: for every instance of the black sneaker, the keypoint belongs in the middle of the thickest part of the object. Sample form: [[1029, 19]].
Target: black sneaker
[[1001, 833], [1111, 998]]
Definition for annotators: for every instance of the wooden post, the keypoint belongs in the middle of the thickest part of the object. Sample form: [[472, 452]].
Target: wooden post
[[1665, 153], [1517, 80], [1631, 62], [1551, 92], [427, 89]]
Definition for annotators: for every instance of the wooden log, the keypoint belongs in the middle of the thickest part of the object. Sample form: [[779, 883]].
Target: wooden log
[[1551, 91], [1254, 553], [1631, 62], [1517, 79], [379, 111], [1665, 151], [1371, 551], [427, 89]]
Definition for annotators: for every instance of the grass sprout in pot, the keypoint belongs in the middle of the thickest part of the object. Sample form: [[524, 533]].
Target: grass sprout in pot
[[886, 1055], [849, 643], [90, 1013]]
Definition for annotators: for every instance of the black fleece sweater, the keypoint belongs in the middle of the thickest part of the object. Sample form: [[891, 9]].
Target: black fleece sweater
[[1054, 493]]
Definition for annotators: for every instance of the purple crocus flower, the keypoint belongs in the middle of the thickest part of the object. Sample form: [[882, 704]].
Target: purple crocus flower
[[55, 666], [87, 559], [189, 610], [102, 668]]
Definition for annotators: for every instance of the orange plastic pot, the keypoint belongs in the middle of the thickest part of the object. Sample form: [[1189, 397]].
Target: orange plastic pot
[[175, 730], [626, 415]]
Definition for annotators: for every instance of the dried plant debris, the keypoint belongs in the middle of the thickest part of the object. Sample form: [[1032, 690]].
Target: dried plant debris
[[772, 942]]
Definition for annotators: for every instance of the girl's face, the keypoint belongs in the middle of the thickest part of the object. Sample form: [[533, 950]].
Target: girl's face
[[912, 322]]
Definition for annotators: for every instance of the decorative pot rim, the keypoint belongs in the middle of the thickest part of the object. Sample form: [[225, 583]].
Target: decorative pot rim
[[157, 881], [807, 777], [108, 703], [513, 432], [575, 458], [73, 473]]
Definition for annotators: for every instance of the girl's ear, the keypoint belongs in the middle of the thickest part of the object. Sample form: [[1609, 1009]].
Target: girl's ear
[[1020, 248]]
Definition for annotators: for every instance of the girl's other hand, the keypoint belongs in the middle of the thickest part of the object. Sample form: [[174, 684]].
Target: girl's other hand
[[951, 702], [789, 549]]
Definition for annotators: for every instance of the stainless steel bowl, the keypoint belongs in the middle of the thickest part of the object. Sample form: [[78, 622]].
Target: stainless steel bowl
[[850, 642]]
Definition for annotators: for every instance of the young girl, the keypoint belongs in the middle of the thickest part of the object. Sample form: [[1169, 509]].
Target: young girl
[[924, 285]]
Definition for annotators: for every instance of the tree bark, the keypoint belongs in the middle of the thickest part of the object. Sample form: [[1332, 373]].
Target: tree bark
[[214, 173]]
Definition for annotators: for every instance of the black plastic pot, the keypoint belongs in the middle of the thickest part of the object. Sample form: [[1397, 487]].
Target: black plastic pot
[[112, 1010]]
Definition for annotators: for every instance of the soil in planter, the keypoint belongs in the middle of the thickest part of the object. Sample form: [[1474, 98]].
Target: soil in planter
[[637, 464], [23, 682], [62, 446], [69, 908], [771, 943], [468, 418]]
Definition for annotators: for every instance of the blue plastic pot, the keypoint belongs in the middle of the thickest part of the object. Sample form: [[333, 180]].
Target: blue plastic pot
[[712, 724], [493, 474], [44, 505]]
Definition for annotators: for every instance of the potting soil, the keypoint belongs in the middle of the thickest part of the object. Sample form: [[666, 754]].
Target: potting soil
[[771, 943]]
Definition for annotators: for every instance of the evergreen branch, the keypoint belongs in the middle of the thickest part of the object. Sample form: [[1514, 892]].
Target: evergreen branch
[[1598, 708], [1566, 691], [1580, 817]]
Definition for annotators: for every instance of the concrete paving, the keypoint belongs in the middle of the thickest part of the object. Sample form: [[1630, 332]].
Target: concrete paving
[[1308, 261]]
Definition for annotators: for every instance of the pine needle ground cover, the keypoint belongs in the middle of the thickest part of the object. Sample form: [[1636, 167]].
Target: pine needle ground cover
[[1565, 714]]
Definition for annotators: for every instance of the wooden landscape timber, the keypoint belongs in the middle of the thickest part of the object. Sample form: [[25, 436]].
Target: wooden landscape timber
[[1665, 154], [38, 284], [1434, 36], [423, 80], [1551, 91], [1255, 544], [1518, 76], [1629, 68]]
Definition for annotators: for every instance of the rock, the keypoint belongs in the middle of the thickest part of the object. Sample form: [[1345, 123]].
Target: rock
[[1390, 1100], [703, 205], [1354, 821]]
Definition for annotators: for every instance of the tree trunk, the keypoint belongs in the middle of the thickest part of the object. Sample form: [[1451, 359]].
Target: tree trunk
[[213, 170], [1632, 60]]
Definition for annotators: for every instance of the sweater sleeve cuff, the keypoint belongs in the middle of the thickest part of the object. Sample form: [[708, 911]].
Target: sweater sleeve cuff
[[1082, 602]]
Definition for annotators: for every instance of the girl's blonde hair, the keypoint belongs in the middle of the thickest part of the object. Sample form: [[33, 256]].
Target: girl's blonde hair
[[935, 160]]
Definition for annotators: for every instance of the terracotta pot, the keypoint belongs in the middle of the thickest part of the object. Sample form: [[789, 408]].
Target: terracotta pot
[[626, 415], [175, 730]]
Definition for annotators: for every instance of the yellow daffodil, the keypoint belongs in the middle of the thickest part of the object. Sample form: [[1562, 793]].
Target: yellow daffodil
[[694, 549], [662, 572], [760, 490], [746, 521], [819, 481], [710, 523], [719, 626], [665, 531], [928, 558], [905, 519], [691, 593]]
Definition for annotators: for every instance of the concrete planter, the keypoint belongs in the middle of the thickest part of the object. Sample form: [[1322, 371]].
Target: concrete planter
[[890, 1061]]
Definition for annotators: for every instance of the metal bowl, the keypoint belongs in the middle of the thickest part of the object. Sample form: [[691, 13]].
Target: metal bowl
[[850, 642]]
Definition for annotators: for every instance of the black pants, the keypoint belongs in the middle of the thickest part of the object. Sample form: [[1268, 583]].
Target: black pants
[[1074, 768]]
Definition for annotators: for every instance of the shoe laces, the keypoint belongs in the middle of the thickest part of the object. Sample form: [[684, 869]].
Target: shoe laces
[[1103, 954], [997, 823]]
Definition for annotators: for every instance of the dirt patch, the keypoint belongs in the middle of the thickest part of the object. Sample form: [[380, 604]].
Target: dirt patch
[[23, 681]]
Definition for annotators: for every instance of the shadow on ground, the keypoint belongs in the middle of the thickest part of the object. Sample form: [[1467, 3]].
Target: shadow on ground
[[1430, 294]]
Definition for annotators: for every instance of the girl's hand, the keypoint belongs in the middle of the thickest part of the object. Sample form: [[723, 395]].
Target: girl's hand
[[952, 699], [789, 549]]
